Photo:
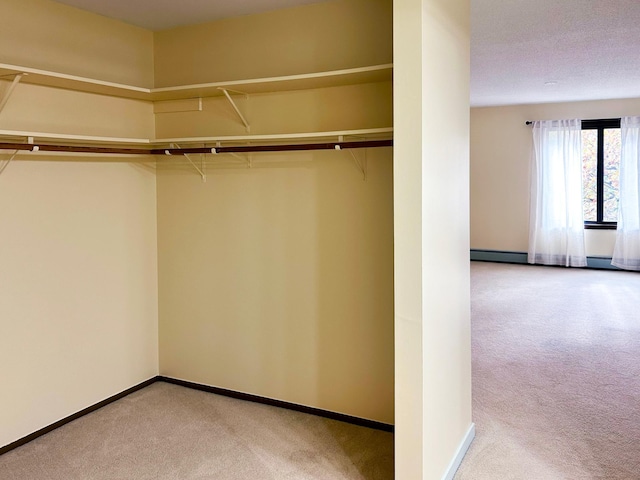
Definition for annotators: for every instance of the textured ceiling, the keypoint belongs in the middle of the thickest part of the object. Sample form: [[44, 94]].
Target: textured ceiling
[[525, 51], [522, 51], [164, 14]]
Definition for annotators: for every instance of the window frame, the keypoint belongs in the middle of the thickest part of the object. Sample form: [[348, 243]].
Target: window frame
[[600, 125]]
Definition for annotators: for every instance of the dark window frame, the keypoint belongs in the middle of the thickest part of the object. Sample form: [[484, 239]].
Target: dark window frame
[[600, 126]]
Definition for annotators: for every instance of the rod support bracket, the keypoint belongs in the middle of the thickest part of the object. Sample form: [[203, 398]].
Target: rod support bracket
[[7, 162], [361, 164], [201, 169]]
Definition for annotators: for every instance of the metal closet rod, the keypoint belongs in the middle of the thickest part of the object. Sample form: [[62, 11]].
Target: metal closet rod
[[194, 150]]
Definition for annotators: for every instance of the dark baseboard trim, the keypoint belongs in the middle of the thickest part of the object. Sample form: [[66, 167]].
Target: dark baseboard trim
[[362, 422], [601, 263], [75, 416], [499, 256]]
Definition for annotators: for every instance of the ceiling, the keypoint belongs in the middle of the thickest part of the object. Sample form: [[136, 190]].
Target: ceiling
[[164, 14], [522, 51], [525, 51]]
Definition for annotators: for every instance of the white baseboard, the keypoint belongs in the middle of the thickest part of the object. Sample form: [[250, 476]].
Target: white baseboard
[[462, 451]]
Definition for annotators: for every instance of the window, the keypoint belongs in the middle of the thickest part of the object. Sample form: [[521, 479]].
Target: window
[[601, 172]]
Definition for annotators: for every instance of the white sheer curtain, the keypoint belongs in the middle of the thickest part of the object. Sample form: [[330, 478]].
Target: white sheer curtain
[[556, 233], [626, 253]]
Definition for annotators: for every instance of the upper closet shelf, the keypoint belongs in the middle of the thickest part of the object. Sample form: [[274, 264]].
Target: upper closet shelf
[[370, 133], [89, 139], [351, 76], [73, 82]]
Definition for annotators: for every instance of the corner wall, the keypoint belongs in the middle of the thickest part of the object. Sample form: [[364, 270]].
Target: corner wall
[[431, 165], [501, 146]]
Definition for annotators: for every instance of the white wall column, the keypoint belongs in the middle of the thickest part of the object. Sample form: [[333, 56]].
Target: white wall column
[[431, 215]]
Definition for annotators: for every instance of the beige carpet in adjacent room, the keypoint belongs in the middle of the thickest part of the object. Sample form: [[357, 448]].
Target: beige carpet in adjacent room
[[169, 432], [556, 374]]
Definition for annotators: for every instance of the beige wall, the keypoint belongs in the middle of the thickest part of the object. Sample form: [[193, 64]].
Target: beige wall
[[50, 36], [407, 175], [317, 110], [78, 288], [34, 108], [312, 38], [277, 280], [78, 283], [431, 160], [501, 146]]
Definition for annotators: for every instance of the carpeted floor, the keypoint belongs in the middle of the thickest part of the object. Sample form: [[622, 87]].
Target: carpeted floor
[[556, 395], [556, 374], [170, 432]]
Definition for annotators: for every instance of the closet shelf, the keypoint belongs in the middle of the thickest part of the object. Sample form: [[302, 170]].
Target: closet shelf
[[369, 134], [73, 82], [351, 76], [89, 139]]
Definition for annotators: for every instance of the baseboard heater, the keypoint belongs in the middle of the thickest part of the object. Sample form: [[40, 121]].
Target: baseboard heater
[[500, 256], [363, 422]]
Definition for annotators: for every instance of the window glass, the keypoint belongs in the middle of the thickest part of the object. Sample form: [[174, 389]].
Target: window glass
[[612, 141], [590, 174]]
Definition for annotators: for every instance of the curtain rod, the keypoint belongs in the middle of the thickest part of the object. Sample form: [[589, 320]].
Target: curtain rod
[[529, 122], [194, 150]]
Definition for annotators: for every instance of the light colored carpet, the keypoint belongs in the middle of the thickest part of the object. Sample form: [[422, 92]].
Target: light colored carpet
[[556, 374], [169, 432]]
